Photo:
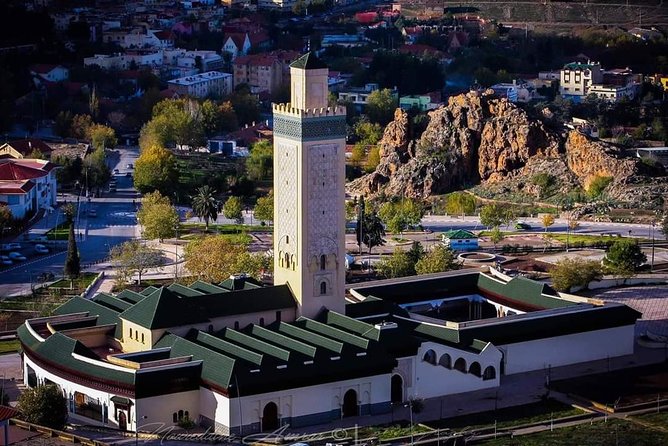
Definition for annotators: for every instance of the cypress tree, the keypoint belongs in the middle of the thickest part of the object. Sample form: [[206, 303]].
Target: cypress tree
[[72, 266]]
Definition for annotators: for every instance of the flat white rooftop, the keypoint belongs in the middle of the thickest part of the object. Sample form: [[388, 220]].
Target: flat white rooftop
[[202, 77]]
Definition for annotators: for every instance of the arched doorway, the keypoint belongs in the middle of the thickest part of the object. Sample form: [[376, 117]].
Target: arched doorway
[[350, 407], [122, 421], [270, 417], [397, 391]]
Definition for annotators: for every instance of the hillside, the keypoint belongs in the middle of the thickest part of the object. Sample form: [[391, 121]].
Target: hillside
[[480, 140]]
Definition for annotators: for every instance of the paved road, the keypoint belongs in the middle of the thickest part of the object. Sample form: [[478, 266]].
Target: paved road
[[115, 223], [442, 223]]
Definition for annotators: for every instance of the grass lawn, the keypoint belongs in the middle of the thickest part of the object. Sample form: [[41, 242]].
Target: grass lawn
[[225, 229], [586, 239], [614, 432], [393, 431], [9, 346], [239, 239], [60, 232], [82, 282], [510, 416]]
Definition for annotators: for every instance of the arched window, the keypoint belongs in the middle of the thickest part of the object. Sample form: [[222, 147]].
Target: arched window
[[186, 414], [490, 373], [430, 357], [175, 417], [236, 325], [180, 415], [397, 389], [445, 361], [323, 287], [474, 369], [287, 239], [131, 333], [460, 364], [142, 338], [323, 262], [287, 260], [261, 322], [350, 404], [270, 417], [210, 328]]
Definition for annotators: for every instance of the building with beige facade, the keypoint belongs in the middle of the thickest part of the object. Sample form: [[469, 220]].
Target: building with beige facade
[[211, 83]]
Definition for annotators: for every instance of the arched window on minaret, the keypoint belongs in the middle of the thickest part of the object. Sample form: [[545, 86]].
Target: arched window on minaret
[[323, 262], [323, 287], [287, 260]]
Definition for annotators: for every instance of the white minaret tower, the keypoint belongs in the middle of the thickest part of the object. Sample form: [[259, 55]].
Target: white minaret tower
[[309, 176]]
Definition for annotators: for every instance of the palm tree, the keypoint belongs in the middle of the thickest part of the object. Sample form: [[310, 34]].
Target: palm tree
[[205, 205]]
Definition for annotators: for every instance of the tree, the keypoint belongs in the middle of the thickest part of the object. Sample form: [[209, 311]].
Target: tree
[[491, 215], [213, 258], [571, 272], [597, 185], [460, 203], [496, 236], [397, 216], [544, 181], [547, 220], [373, 159], [155, 169], [232, 209], [380, 106], [102, 137], [133, 257], [368, 133], [36, 154], [254, 264], [399, 264], [6, 217], [205, 205], [260, 161], [158, 217], [72, 262], [44, 406], [624, 257], [264, 208], [211, 117], [416, 252], [439, 259], [80, 126], [370, 230], [246, 105], [228, 117]]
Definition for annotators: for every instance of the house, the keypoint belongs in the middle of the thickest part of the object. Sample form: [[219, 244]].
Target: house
[[261, 72], [342, 40], [517, 91], [614, 93], [22, 148], [50, 72], [645, 34], [422, 103], [576, 79], [250, 134], [360, 95], [236, 357], [237, 44], [211, 83], [27, 185], [460, 240]]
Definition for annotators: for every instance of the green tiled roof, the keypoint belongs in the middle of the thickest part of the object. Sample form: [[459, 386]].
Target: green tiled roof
[[256, 344], [282, 340], [130, 296], [459, 234], [240, 283], [206, 287], [524, 294], [112, 302], [310, 338], [308, 61], [149, 290], [183, 291], [217, 368], [334, 333], [105, 315], [228, 347], [353, 325]]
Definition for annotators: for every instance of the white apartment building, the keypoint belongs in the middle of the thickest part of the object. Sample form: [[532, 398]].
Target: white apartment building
[[278, 4], [577, 78], [211, 83], [613, 93]]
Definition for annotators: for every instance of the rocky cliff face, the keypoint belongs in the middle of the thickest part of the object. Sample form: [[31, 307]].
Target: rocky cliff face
[[477, 139]]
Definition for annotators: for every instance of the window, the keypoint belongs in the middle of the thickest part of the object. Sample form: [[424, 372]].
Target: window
[[278, 316], [236, 325], [323, 287], [261, 322], [175, 417], [287, 239], [323, 262], [131, 333], [142, 338], [287, 260]]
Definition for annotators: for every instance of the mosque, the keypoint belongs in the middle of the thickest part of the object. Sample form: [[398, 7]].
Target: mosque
[[239, 357]]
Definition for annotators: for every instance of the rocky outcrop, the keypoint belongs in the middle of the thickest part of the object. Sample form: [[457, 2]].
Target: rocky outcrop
[[477, 139], [588, 159], [474, 137]]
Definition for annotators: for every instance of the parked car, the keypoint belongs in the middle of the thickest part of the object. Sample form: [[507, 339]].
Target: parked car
[[522, 226], [5, 260], [17, 256], [112, 188], [41, 249], [116, 171], [10, 246], [130, 166], [128, 174], [92, 213]]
